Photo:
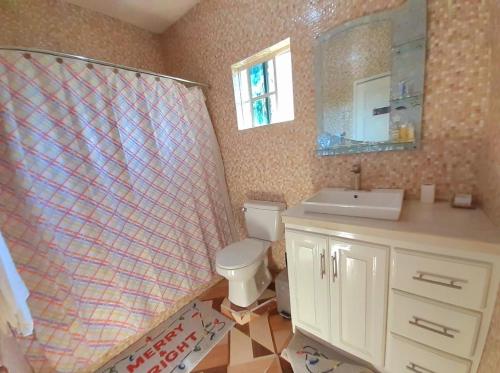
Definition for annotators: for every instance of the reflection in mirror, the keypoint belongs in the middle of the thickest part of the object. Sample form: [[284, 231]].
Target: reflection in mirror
[[369, 80]]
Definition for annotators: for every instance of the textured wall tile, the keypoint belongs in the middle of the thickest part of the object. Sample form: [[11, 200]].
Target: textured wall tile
[[278, 161], [489, 180], [63, 27], [490, 161]]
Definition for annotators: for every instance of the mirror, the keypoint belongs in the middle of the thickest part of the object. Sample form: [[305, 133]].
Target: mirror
[[370, 82]]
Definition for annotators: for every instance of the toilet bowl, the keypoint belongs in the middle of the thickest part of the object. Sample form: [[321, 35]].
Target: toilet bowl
[[244, 263]]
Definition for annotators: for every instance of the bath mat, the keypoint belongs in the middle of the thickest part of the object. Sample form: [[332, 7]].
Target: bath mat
[[305, 355], [176, 345]]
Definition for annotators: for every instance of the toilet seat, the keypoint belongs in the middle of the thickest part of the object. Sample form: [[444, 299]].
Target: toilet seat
[[242, 253]]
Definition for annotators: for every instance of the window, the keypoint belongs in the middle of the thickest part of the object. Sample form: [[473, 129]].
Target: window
[[263, 88]]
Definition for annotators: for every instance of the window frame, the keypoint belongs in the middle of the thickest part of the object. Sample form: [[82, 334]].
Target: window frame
[[263, 57]]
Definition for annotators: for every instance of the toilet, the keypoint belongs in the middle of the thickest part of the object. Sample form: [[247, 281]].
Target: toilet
[[244, 263]]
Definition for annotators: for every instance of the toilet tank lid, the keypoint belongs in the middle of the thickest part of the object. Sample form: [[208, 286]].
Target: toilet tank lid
[[265, 205]]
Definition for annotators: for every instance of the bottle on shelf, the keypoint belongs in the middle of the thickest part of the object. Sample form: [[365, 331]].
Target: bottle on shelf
[[403, 132], [411, 132]]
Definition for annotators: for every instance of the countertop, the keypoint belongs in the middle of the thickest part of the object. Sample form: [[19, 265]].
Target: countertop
[[439, 222]]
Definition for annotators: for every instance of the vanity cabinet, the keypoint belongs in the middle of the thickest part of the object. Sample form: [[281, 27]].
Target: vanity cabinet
[[358, 291], [338, 291], [308, 280], [415, 295]]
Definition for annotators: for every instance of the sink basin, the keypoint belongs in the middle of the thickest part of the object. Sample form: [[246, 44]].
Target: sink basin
[[376, 203]]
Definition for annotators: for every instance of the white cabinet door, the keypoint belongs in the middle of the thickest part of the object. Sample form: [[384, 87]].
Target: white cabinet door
[[358, 291], [308, 277]]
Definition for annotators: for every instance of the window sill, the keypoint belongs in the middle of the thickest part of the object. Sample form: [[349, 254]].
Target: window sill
[[267, 125]]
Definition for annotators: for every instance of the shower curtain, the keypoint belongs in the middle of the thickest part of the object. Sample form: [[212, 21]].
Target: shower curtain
[[113, 200]]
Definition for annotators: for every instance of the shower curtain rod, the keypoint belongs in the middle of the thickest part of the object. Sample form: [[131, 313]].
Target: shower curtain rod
[[104, 63]]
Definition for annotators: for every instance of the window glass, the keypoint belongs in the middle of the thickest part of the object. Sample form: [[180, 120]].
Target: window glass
[[261, 112], [257, 80], [263, 87]]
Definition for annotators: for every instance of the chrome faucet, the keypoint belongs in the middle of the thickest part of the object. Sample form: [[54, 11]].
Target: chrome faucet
[[356, 176]]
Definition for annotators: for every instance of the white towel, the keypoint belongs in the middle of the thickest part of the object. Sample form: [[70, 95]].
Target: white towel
[[14, 308]]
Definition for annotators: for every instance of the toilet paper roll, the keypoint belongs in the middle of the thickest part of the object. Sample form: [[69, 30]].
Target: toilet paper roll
[[427, 193]]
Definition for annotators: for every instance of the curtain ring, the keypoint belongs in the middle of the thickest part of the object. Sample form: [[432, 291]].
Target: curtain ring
[[59, 60], [115, 71], [27, 56], [138, 75], [90, 66], [157, 79]]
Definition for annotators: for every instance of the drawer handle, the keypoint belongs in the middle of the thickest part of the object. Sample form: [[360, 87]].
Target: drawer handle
[[322, 265], [417, 321], [451, 282], [334, 267], [418, 369]]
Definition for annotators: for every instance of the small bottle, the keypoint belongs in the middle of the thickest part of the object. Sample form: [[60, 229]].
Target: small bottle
[[403, 88], [411, 132], [403, 132], [395, 127], [395, 133]]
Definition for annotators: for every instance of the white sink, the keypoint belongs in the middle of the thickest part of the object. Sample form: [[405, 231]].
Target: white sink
[[377, 203]]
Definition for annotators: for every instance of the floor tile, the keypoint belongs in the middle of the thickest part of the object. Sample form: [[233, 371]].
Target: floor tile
[[255, 341], [217, 358], [260, 365], [285, 366], [219, 290], [281, 330], [261, 332], [275, 366], [259, 350], [240, 348]]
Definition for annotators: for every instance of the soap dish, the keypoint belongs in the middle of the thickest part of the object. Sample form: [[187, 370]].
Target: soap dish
[[470, 207], [463, 201]]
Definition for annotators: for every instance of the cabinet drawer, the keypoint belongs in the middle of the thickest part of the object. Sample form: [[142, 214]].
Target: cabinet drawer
[[445, 279], [437, 325], [404, 355]]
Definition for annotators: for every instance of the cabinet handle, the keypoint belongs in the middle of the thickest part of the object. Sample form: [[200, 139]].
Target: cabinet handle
[[334, 266], [417, 368], [417, 321], [322, 265], [450, 281]]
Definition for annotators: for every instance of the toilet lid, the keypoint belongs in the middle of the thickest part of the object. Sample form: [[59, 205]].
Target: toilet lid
[[242, 253]]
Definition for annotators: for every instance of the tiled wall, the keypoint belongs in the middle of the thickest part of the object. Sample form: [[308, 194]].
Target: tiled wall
[[490, 163], [278, 161], [490, 175], [63, 27]]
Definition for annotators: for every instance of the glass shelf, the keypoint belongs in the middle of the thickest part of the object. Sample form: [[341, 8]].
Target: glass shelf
[[408, 46], [413, 101], [368, 148]]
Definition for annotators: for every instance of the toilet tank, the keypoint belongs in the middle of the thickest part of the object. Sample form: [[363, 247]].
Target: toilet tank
[[263, 220]]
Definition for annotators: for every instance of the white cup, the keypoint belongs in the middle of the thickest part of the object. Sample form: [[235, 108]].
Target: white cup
[[427, 193]]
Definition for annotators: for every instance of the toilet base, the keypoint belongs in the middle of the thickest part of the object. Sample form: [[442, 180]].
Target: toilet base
[[245, 292]]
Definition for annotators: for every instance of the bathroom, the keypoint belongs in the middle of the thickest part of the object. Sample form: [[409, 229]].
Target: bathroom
[[457, 147]]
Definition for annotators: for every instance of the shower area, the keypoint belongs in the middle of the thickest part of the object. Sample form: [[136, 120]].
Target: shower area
[[113, 201]]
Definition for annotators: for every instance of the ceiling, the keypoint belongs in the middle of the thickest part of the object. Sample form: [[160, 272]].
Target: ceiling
[[152, 15]]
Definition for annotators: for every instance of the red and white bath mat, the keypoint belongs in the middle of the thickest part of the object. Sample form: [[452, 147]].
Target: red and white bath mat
[[175, 346]]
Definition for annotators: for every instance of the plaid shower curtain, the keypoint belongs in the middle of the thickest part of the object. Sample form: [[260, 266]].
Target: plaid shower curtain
[[113, 200]]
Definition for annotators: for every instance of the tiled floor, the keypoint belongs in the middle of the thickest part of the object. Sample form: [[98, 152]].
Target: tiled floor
[[253, 347]]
